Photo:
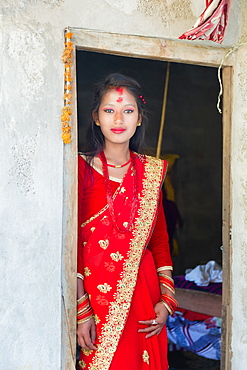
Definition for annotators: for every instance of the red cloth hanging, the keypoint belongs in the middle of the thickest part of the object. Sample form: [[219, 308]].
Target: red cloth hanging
[[211, 25]]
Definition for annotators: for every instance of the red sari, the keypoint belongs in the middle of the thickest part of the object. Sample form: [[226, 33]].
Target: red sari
[[120, 267]]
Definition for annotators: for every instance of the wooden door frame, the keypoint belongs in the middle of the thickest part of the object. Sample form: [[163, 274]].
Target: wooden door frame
[[154, 48]]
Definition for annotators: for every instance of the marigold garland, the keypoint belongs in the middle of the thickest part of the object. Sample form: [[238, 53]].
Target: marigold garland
[[66, 110]]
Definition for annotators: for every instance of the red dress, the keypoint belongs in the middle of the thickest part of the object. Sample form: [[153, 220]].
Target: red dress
[[120, 268]]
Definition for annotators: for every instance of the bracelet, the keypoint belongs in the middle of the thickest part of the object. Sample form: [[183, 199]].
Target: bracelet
[[167, 283], [166, 276], [164, 268], [86, 314], [85, 320], [82, 299], [80, 276], [84, 309], [169, 301], [167, 307]]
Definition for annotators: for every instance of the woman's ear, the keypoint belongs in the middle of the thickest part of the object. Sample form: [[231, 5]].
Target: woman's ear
[[96, 118], [139, 118]]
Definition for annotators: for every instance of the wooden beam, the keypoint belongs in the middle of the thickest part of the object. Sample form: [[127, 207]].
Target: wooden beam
[[69, 248], [197, 301], [156, 48], [226, 353]]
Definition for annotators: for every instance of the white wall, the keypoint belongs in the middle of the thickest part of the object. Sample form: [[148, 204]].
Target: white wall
[[31, 175], [239, 211]]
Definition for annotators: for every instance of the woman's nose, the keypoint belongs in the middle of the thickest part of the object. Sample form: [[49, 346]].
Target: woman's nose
[[118, 118]]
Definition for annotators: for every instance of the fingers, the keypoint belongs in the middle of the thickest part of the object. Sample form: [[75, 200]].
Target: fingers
[[156, 331], [86, 334], [93, 333], [150, 322], [151, 330], [88, 342], [154, 327]]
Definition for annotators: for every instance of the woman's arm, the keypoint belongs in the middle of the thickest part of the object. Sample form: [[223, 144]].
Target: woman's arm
[[86, 331], [159, 246]]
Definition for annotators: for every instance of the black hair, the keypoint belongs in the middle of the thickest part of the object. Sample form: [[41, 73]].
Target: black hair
[[95, 138]]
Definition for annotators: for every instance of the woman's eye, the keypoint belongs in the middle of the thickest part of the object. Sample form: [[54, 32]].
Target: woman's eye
[[108, 110], [128, 111]]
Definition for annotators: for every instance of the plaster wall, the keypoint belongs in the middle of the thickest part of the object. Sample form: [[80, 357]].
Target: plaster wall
[[31, 173], [239, 201]]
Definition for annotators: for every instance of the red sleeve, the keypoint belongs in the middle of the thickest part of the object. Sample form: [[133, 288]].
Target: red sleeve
[[159, 242], [81, 169]]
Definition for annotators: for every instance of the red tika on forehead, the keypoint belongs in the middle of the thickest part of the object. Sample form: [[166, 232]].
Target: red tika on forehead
[[120, 90], [119, 100]]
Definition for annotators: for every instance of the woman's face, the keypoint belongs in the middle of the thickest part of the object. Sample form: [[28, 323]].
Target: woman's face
[[118, 116]]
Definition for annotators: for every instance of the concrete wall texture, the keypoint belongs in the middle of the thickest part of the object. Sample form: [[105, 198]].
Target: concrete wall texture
[[31, 173]]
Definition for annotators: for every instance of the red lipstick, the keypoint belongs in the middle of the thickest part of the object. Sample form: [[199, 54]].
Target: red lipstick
[[118, 130]]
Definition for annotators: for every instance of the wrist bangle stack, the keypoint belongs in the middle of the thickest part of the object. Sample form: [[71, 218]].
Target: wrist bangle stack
[[84, 310], [169, 302], [167, 282]]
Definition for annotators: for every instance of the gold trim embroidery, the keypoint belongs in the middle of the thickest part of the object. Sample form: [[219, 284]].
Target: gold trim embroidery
[[82, 364], [103, 243], [87, 352], [96, 319], [145, 356], [116, 256], [104, 288], [119, 307], [87, 272]]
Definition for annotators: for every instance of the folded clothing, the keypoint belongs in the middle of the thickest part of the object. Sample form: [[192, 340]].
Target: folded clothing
[[202, 275]]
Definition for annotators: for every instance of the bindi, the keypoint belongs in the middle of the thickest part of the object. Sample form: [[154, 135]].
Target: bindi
[[119, 90], [119, 100]]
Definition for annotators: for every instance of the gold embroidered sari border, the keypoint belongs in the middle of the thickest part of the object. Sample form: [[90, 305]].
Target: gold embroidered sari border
[[119, 307]]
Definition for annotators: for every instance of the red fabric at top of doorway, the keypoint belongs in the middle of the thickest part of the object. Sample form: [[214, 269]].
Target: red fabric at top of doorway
[[211, 25]]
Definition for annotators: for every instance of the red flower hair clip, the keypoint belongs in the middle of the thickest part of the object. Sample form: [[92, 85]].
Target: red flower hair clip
[[142, 99]]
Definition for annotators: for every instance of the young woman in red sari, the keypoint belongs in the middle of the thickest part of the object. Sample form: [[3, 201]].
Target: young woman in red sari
[[125, 289]]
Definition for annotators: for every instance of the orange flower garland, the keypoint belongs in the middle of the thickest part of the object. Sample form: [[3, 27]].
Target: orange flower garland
[[66, 110]]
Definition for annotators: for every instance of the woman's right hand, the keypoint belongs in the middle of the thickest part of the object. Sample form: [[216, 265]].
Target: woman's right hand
[[86, 335]]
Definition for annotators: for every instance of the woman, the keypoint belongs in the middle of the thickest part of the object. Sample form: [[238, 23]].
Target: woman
[[125, 289]]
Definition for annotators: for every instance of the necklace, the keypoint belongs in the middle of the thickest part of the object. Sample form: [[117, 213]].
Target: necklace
[[120, 165], [109, 195]]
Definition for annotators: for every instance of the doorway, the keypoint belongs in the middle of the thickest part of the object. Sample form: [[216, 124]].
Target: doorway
[[179, 53]]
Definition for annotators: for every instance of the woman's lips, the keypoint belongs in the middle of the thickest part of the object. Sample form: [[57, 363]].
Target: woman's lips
[[118, 130]]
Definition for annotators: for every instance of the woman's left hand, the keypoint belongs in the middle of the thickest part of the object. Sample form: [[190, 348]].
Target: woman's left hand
[[155, 325]]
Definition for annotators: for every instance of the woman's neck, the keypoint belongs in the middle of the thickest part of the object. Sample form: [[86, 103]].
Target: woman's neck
[[117, 155]]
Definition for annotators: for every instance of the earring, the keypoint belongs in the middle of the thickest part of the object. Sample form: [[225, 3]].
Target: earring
[[97, 123], [139, 124]]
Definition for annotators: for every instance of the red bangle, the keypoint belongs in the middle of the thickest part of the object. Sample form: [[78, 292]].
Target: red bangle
[[170, 301], [167, 283]]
